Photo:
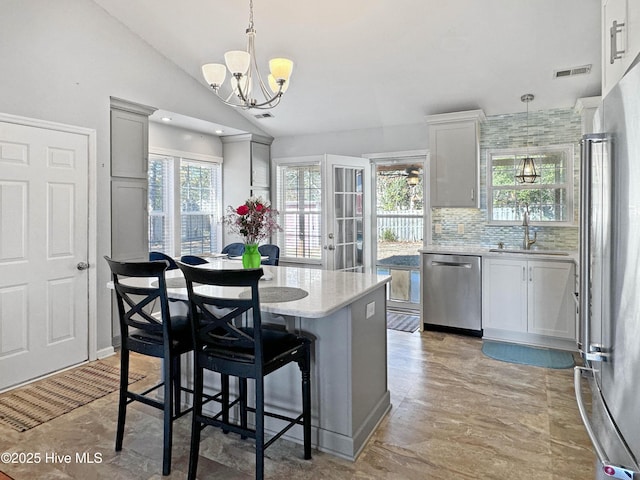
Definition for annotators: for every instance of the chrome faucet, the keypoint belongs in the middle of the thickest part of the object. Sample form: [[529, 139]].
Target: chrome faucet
[[525, 223]]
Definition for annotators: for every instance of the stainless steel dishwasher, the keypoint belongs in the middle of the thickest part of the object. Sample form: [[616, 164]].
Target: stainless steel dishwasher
[[452, 293]]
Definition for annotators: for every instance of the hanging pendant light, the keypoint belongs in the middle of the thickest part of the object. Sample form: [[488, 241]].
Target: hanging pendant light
[[243, 67], [527, 169], [413, 176]]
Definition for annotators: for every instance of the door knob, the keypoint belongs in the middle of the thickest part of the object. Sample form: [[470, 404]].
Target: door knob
[[82, 266], [331, 247]]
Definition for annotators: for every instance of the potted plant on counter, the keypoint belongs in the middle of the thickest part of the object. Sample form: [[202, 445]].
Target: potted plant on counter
[[254, 220]]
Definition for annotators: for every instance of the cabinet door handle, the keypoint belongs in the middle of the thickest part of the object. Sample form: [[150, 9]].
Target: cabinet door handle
[[615, 29], [524, 273], [531, 274], [473, 194]]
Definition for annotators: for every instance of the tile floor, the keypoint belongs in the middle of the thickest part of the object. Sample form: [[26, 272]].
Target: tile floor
[[456, 415]]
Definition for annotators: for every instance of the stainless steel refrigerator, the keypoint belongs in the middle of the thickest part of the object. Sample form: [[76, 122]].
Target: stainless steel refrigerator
[[609, 306]]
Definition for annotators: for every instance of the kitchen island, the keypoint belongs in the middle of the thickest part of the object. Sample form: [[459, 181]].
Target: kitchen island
[[345, 314]]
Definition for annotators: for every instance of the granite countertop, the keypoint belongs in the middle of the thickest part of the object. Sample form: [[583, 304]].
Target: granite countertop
[[533, 254], [325, 291]]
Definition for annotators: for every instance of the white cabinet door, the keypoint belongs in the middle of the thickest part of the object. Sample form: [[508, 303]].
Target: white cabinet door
[[454, 164], [454, 140], [505, 294], [550, 299]]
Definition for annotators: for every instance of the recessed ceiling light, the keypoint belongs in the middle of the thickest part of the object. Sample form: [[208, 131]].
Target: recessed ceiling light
[[166, 119], [219, 132]]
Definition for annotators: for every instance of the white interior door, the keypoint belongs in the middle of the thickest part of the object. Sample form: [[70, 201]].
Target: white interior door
[[347, 198], [44, 314]]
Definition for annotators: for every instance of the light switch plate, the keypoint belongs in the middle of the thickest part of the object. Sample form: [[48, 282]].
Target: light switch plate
[[461, 228], [438, 228], [371, 309]]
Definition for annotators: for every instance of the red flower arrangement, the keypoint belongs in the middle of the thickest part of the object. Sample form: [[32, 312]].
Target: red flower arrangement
[[255, 220]]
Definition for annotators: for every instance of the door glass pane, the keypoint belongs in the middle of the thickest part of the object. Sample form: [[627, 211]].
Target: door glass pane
[[349, 231], [339, 205], [400, 220], [340, 231], [350, 183], [338, 182], [339, 257], [349, 255], [349, 205]]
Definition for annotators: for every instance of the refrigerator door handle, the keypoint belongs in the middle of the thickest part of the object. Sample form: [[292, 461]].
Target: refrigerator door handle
[[584, 307], [613, 471]]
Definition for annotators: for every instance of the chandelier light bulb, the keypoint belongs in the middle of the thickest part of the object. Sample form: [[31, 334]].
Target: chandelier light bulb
[[237, 61], [214, 74], [281, 68]]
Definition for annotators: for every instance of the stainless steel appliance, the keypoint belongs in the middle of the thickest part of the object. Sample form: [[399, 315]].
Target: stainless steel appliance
[[610, 281], [452, 290]]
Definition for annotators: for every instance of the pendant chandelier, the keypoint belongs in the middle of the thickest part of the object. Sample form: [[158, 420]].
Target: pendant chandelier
[[243, 67], [527, 166]]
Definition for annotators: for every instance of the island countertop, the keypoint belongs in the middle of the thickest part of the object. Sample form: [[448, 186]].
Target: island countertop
[[328, 290]]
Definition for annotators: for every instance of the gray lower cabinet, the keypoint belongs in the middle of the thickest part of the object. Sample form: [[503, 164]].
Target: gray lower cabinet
[[129, 228], [529, 301]]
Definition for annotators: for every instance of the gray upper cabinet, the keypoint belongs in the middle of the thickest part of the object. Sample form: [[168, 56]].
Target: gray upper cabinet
[[129, 139], [247, 160], [260, 161], [454, 145], [129, 184]]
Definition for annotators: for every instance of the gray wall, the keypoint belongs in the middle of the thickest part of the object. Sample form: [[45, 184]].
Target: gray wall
[[63, 59], [353, 142], [165, 136]]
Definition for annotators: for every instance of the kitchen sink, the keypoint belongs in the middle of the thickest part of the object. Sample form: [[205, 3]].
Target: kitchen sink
[[528, 252]]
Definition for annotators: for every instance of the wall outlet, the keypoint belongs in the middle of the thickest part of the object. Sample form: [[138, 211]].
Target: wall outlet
[[371, 309], [437, 228], [461, 228]]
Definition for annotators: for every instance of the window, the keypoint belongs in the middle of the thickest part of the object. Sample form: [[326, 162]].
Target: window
[[300, 207], [184, 205], [550, 199], [160, 196]]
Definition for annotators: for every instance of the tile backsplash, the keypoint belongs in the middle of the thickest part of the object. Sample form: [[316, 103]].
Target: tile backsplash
[[548, 127]]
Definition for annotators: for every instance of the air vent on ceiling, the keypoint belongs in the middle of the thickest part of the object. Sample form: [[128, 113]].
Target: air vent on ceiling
[[570, 72], [264, 115]]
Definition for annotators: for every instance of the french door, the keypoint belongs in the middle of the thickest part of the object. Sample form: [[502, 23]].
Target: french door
[[347, 212]]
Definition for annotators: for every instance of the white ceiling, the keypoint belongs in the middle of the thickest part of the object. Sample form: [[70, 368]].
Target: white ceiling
[[375, 63]]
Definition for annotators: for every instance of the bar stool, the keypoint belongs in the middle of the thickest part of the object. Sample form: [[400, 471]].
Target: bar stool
[[145, 332], [245, 352]]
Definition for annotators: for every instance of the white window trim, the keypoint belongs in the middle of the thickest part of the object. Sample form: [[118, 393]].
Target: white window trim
[[178, 156], [569, 152], [301, 161]]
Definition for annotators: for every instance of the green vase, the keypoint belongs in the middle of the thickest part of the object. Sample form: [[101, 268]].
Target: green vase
[[251, 256]]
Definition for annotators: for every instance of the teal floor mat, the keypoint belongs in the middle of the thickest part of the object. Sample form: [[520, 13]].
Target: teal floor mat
[[525, 355]]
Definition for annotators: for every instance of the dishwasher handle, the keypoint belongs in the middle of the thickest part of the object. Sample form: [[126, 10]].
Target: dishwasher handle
[[450, 264]]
